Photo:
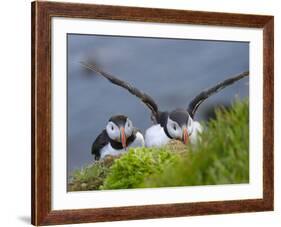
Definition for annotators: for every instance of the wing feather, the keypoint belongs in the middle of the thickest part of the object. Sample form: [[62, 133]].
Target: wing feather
[[199, 99], [145, 98]]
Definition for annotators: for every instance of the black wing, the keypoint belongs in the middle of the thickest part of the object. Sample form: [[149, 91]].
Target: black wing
[[101, 140], [196, 101], [145, 98]]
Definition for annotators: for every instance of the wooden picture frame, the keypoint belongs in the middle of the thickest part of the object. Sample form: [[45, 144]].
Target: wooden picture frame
[[42, 13]]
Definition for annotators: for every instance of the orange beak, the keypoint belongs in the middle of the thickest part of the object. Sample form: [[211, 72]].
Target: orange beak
[[123, 138], [185, 136]]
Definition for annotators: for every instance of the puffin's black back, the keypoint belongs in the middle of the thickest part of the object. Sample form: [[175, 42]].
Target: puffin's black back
[[99, 143], [162, 120]]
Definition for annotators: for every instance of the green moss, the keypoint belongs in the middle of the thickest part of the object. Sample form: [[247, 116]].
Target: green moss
[[132, 168], [90, 177]]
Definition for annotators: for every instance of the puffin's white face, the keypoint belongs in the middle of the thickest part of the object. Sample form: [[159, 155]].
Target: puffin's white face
[[177, 132], [174, 129], [128, 128], [115, 132]]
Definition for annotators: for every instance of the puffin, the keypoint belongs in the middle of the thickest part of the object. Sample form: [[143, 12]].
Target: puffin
[[178, 124], [118, 135]]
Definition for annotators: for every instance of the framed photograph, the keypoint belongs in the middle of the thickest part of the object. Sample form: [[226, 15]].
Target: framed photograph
[[142, 113]]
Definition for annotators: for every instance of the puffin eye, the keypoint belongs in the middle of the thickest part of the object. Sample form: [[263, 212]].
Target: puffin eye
[[174, 127], [112, 128]]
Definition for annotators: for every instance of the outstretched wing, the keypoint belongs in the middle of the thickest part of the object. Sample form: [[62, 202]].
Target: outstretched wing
[[145, 98], [196, 101]]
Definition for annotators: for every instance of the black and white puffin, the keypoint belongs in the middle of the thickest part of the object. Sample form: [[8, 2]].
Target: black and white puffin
[[118, 135], [177, 124]]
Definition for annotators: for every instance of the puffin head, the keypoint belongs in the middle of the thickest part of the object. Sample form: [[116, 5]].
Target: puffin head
[[178, 125], [119, 128]]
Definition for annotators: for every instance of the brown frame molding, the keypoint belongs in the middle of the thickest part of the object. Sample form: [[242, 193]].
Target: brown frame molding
[[42, 12]]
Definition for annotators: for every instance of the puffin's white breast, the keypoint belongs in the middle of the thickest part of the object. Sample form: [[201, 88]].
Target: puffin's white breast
[[155, 136], [139, 141], [109, 150], [197, 128]]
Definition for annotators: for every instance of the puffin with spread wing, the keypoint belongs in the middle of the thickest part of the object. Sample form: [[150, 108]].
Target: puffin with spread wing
[[177, 124]]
